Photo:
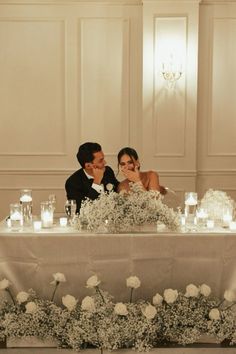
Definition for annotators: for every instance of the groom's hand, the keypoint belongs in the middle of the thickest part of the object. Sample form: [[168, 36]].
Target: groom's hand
[[98, 174]]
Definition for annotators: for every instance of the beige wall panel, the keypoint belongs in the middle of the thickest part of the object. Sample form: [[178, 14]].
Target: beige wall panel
[[222, 136], [105, 80], [169, 100], [216, 148], [32, 97], [170, 116]]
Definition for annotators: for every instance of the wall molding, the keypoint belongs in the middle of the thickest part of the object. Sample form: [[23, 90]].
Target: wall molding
[[157, 91], [166, 173], [70, 171], [40, 189], [63, 42], [172, 1], [72, 2], [216, 2], [36, 172], [217, 173]]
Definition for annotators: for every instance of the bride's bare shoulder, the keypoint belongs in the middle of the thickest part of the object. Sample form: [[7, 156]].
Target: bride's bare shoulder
[[152, 174]]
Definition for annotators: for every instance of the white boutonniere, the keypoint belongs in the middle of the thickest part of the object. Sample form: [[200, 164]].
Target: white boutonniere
[[109, 187]]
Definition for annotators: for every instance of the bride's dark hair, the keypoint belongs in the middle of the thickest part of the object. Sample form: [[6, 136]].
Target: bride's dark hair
[[127, 151]]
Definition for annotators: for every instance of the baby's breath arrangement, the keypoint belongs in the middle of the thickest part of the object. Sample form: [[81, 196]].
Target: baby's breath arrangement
[[186, 318], [214, 202], [98, 321], [118, 212]]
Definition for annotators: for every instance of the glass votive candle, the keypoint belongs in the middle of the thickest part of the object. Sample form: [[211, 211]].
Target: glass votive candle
[[210, 224], [232, 225], [183, 220], [52, 199], [46, 214], [227, 218], [202, 216], [37, 225], [63, 222], [16, 216], [8, 221], [26, 202]]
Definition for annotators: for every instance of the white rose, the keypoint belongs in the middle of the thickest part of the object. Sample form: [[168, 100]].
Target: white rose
[[93, 281], [88, 304], [69, 302], [149, 312], [229, 295], [205, 290], [191, 291], [58, 278], [133, 282], [31, 307], [22, 296], [4, 284], [109, 187], [170, 295], [157, 299], [214, 314], [120, 309]]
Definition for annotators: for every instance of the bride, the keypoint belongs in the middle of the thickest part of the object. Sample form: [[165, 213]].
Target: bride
[[128, 164]]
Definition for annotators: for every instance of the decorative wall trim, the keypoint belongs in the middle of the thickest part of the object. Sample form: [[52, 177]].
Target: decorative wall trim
[[155, 117], [72, 2], [216, 2], [33, 188], [64, 76], [172, 1], [177, 173], [166, 173], [36, 172], [124, 32], [66, 172], [217, 173], [210, 152]]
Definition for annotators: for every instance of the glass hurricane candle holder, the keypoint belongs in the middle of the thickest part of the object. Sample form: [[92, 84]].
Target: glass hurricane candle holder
[[16, 216], [46, 214], [26, 202], [190, 206], [52, 199], [70, 208]]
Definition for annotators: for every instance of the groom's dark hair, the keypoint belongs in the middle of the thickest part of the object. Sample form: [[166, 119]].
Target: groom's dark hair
[[86, 151]]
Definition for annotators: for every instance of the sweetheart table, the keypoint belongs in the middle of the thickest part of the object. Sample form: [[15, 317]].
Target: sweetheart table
[[161, 260]]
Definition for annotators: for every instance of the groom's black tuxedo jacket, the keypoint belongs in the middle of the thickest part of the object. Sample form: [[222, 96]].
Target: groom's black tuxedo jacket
[[79, 186]]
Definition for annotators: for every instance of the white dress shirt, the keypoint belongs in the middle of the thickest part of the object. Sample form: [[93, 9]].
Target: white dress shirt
[[98, 187]]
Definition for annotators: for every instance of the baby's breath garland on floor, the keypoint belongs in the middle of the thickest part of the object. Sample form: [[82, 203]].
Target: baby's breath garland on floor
[[99, 322], [120, 212]]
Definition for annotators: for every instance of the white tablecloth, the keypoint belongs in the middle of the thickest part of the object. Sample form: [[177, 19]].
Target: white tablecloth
[[160, 260]]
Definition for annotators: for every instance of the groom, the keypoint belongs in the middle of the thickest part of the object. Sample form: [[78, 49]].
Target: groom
[[93, 178]]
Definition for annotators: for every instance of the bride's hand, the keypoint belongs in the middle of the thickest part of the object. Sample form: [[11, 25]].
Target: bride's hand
[[132, 176]]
